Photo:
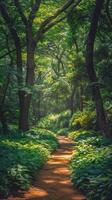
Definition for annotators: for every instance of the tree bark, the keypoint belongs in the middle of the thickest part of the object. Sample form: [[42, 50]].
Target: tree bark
[[81, 99], [102, 122], [3, 91], [3, 121], [72, 101], [25, 100]]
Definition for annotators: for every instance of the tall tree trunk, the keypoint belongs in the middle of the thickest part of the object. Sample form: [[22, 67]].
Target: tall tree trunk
[[3, 121], [25, 97], [72, 101], [3, 91], [81, 98], [102, 122], [17, 42]]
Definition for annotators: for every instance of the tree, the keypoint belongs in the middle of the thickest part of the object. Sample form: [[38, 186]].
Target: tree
[[101, 118], [4, 87], [31, 43]]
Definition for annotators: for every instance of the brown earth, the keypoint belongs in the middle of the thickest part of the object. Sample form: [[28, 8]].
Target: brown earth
[[53, 181]]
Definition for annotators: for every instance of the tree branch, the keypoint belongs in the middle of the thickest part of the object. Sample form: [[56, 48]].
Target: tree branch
[[34, 9], [108, 12], [16, 39], [18, 6], [51, 21], [11, 51], [9, 23], [7, 53]]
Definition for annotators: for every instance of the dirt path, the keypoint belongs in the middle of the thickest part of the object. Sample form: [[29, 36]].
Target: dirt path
[[53, 181]]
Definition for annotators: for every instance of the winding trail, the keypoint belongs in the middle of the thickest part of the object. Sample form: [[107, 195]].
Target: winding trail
[[53, 181]]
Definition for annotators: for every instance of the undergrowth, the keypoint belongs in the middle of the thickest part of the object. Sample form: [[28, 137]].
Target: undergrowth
[[21, 156], [55, 122], [91, 165], [85, 120]]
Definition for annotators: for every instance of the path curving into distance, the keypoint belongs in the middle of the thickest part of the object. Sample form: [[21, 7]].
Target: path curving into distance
[[53, 181]]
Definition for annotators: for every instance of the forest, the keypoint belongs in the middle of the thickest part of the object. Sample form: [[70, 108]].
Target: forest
[[56, 99]]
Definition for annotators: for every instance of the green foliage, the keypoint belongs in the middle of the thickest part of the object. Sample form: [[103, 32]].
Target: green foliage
[[91, 165], [85, 120], [55, 121], [46, 137], [21, 156], [63, 131]]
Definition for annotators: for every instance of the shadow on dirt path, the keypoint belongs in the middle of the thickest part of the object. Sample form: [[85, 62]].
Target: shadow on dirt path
[[53, 181]]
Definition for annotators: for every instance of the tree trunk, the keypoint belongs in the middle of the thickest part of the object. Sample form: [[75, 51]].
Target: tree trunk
[[24, 110], [3, 91], [81, 99], [25, 97], [102, 122], [3, 122], [72, 101]]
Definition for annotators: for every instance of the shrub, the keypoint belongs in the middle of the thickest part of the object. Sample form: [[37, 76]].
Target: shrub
[[49, 122], [84, 120], [63, 131], [21, 156], [45, 137], [63, 119], [90, 165], [81, 134], [55, 121]]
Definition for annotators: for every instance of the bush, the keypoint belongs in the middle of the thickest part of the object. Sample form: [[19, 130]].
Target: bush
[[46, 137], [90, 165], [63, 131], [63, 119], [81, 134], [84, 120], [55, 121], [21, 156]]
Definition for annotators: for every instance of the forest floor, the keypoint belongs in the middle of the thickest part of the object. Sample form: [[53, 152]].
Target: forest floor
[[53, 181]]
